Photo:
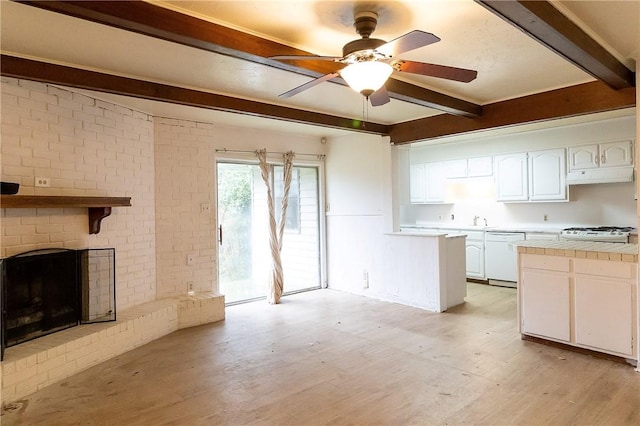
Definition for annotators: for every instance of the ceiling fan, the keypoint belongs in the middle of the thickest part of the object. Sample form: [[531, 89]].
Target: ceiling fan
[[370, 61]]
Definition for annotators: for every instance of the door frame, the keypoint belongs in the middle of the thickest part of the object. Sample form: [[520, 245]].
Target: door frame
[[275, 158]]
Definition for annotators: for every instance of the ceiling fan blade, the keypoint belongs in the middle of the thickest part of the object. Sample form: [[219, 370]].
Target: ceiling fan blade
[[440, 71], [305, 57], [407, 42], [308, 85], [379, 97]]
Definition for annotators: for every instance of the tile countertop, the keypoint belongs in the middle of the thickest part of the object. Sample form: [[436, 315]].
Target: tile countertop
[[425, 234], [620, 252], [506, 228], [541, 229]]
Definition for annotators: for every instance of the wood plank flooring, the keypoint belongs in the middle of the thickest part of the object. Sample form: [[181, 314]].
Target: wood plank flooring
[[331, 358]]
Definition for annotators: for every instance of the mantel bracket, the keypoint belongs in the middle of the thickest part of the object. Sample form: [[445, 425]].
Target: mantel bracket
[[96, 214]]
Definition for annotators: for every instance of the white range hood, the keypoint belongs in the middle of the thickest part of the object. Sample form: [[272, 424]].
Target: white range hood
[[600, 175]]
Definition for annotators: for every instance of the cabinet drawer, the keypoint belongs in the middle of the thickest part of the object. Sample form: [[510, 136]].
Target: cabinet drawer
[[549, 263], [605, 268], [474, 235]]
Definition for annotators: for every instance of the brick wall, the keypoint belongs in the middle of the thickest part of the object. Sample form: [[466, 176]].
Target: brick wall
[[185, 180], [87, 147]]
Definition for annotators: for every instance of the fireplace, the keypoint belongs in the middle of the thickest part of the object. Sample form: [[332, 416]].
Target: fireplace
[[49, 290]]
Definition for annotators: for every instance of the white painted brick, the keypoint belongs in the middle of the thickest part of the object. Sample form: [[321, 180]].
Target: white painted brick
[[82, 99], [81, 133], [32, 104], [33, 85], [58, 92], [14, 90], [15, 129], [47, 98]]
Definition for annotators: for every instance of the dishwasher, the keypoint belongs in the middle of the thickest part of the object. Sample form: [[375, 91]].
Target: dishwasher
[[501, 259]]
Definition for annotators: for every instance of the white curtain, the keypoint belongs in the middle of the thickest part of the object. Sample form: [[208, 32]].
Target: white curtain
[[276, 233]]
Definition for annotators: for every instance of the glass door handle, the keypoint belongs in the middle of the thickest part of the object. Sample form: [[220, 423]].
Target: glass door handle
[[220, 234]]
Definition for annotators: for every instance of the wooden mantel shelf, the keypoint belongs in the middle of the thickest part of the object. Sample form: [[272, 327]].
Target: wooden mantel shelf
[[99, 207]]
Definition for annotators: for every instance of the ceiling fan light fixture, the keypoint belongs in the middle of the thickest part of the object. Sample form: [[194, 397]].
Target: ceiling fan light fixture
[[366, 77]]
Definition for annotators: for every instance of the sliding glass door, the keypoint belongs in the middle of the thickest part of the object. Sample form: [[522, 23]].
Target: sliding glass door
[[244, 254]]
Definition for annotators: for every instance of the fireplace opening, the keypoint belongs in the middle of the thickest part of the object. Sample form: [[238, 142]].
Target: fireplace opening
[[49, 290]]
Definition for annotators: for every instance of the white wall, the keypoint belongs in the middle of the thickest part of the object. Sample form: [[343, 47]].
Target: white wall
[[185, 179], [601, 204], [358, 176]]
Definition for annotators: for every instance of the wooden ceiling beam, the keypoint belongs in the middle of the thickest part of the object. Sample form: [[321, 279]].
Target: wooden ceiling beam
[[571, 101], [15, 67], [546, 24], [155, 21]]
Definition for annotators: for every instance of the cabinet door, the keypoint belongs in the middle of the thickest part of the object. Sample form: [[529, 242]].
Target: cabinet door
[[511, 177], [436, 179], [475, 259], [614, 154], [547, 175], [583, 157], [480, 166], [417, 183], [604, 314], [456, 168], [546, 304]]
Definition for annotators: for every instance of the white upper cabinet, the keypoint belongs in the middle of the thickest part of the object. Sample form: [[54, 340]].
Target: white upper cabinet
[[436, 181], [547, 172], [480, 166], [511, 177], [614, 154], [609, 154], [534, 176], [456, 168], [427, 182], [417, 182], [583, 157]]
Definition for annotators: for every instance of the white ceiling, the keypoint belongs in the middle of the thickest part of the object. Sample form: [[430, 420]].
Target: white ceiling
[[509, 63]]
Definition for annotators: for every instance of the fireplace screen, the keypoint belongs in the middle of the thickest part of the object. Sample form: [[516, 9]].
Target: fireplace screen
[[45, 291], [98, 279]]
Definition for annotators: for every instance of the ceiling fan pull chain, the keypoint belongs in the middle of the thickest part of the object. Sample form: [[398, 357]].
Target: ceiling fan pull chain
[[365, 110]]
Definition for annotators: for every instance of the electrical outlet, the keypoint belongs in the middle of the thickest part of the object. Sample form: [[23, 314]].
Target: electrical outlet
[[205, 208], [190, 289], [545, 217], [43, 182], [191, 259]]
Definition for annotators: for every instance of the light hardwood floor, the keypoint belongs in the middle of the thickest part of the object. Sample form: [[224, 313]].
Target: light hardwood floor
[[327, 357]]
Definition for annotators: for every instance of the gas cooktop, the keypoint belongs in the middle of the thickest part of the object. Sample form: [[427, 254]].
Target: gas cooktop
[[613, 234], [604, 229]]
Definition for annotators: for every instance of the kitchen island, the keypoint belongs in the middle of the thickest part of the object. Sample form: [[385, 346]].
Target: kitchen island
[[582, 294], [424, 270]]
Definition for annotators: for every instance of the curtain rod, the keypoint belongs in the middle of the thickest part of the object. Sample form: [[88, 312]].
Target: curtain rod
[[240, 151]]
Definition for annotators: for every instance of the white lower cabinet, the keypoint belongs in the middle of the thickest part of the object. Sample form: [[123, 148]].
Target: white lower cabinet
[[546, 304], [604, 314], [475, 259], [474, 251], [582, 302]]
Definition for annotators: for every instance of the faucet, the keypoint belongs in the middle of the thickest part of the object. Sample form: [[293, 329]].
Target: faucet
[[485, 222], [475, 220]]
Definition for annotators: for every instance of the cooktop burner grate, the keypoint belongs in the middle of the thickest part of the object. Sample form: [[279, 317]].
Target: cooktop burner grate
[[601, 229]]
